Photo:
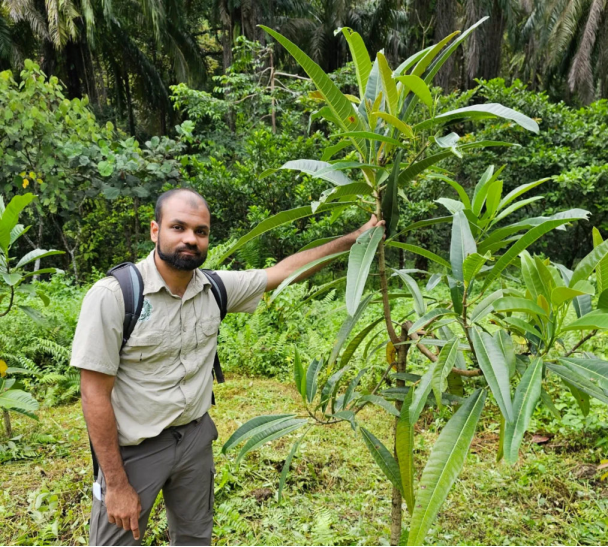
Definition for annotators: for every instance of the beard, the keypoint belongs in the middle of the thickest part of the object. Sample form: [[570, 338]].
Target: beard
[[180, 261]]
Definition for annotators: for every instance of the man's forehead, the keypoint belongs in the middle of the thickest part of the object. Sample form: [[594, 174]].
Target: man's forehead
[[185, 203]]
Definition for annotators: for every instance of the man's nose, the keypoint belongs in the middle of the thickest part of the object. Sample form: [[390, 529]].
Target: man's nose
[[189, 237]]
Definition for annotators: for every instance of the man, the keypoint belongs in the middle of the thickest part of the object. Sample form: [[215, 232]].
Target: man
[[146, 405]]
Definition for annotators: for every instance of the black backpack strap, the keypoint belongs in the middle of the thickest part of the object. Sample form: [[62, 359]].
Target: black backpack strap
[[218, 290], [132, 287]]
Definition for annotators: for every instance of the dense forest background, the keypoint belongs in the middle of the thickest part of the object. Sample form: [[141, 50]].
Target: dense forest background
[[194, 93]]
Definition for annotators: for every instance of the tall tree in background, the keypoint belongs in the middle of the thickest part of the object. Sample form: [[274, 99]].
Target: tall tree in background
[[570, 39], [445, 13], [113, 52], [484, 51]]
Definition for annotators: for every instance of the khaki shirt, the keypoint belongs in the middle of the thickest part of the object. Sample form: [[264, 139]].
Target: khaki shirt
[[164, 372]]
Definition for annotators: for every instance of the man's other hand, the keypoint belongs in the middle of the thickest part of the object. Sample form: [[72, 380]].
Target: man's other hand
[[123, 507]]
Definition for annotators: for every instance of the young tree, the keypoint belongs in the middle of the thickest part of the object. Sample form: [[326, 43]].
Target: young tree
[[394, 134], [13, 285]]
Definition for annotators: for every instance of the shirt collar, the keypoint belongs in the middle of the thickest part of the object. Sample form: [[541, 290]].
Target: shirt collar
[[154, 282]]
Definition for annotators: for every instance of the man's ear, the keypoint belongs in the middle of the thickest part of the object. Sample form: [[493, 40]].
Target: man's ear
[[154, 228]]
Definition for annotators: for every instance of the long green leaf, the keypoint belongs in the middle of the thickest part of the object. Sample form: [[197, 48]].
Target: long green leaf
[[356, 342], [462, 244], [35, 255], [591, 321], [481, 190], [420, 251], [495, 369], [444, 465], [18, 400], [501, 233], [389, 85], [10, 217], [379, 401], [412, 285], [363, 64], [287, 464], [346, 329], [383, 458], [514, 207], [299, 374], [505, 343], [586, 266], [352, 386], [523, 243], [447, 53], [274, 431], [524, 402], [520, 190], [601, 269], [574, 378], [312, 377], [418, 87], [362, 254], [390, 200], [445, 363], [512, 303], [251, 428], [594, 370], [404, 447], [371, 136], [432, 315], [423, 389], [533, 279], [280, 219], [485, 306], [559, 295], [472, 266], [339, 104], [318, 169], [396, 123], [491, 110]]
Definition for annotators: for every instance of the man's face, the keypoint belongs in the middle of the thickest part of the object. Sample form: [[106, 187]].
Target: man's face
[[182, 238]]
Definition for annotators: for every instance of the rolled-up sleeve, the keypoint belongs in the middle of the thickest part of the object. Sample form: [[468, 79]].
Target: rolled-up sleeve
[[244, 289], [98, 336]]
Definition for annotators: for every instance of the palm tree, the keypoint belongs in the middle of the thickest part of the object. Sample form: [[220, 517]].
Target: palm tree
[[117, 53], [570, 45]]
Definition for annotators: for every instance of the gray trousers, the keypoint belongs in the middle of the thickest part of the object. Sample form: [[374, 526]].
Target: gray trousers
[[180, 463]]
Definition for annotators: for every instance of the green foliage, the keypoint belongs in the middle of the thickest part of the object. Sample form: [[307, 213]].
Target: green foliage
[[391, 148]]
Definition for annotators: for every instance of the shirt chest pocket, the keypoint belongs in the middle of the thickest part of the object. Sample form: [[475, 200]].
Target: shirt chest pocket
[[144, 349], [206, 331]]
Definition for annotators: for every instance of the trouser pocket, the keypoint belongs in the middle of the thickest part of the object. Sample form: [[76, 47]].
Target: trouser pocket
[[211, 489]]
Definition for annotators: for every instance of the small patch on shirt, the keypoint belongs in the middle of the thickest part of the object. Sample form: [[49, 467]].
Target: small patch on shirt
[[146, 311]]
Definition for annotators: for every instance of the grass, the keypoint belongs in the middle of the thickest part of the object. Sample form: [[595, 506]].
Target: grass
[[335, 494]]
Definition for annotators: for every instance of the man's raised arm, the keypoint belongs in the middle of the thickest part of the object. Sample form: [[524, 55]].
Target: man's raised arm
[[281, 271]]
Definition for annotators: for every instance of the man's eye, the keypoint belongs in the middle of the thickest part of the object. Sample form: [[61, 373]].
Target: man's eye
[[177, 227]]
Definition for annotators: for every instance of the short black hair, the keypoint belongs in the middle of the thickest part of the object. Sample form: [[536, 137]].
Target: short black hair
[[158, 209]]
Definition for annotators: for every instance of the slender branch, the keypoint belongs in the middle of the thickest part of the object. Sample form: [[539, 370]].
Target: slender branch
[[291, 76], [431, 356], [385, 302], [581, 342], [10, 303]]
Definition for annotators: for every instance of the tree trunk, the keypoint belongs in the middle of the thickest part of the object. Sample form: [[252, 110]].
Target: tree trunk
[[7, 423], [40, 234], [135, 248], [485, 44], [445, 13], [129, 105], [397, 500]]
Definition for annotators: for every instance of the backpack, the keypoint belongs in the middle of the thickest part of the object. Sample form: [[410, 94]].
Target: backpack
[[132, 287]]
